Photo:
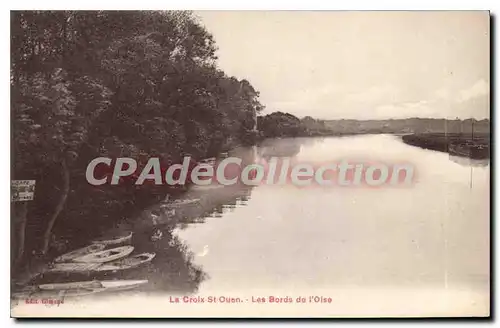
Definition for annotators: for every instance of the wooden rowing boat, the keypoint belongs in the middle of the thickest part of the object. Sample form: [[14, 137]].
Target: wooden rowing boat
[[126, 263], [121, 264], [80, 252], [108, 285], [180, 202], [74, 267], [71, 285], [114, 241], [106, 255], [56, 291]]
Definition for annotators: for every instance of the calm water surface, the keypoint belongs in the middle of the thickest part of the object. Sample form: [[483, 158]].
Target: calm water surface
[[418, 250], [431, 236]]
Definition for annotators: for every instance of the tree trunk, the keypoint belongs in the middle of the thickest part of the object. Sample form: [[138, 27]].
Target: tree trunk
[[21, 230], [59, 207]]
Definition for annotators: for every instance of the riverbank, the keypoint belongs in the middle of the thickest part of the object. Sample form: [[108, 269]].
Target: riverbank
[[153, 231], [465, 145]]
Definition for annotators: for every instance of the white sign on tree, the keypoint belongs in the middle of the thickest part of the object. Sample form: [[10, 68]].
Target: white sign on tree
[[22, 190]]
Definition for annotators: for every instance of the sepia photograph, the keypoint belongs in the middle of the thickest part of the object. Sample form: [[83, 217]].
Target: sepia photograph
[[250, 164]]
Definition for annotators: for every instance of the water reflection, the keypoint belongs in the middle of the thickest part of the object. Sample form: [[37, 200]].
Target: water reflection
[[276, 237], [466, 161], [172, 270], [329, 238], [288, 147]]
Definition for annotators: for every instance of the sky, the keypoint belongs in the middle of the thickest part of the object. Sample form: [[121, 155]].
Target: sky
[[359, 65]]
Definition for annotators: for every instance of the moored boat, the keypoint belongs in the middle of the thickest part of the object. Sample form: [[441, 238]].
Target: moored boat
[[121, 264], [70, 285], [106, 255], [473, 150], [480, 151], [126, 263], [120, 285], [114, 241], [107, 285], [80, 252], [74, 267], [180, 202], [459, 149]]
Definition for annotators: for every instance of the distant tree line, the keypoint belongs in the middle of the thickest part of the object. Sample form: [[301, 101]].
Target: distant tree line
[[86, 84], [280, 124]]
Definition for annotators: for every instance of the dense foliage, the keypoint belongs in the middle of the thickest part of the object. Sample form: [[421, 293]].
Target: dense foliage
[[105, 83], [283, 125], [280, 124]]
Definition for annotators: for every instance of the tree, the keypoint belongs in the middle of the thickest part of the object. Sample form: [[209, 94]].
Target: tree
[[91, 83], [279, 124]]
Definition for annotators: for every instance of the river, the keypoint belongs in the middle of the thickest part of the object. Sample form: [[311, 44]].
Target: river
[[416, 250], [433, 236]]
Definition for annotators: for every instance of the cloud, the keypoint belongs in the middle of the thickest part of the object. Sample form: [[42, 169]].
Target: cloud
[[386, 101], [477, 107], [347, 64], [478, 89], [472, 101]]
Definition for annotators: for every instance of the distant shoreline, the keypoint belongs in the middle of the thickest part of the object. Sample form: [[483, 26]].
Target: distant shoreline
[[475, 146], [280, 124]]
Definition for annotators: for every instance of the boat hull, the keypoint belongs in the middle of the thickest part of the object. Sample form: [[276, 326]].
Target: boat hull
[[181, 202], [116, 265], [106, 255], [116, 241], [127, 263], [80, 252], [95, 284]]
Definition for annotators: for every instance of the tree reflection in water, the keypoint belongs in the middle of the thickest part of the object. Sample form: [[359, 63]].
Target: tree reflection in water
[[173, 270]]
